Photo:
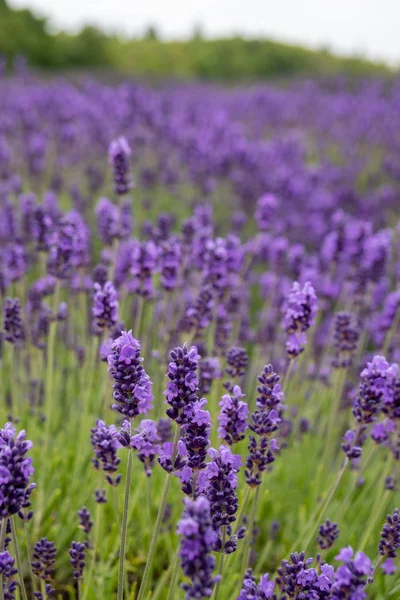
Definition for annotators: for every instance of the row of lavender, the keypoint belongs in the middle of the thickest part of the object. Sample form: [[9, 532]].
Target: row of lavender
[[306, 281]]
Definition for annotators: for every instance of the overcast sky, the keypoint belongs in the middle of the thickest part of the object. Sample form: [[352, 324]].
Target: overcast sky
[[370, 27]]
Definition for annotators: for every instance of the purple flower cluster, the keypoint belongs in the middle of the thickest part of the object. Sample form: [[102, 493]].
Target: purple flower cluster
[[13, 325], [15, 472], [105, 307], [251, 590], [233, 416], [146, 441], [197, 541], [300, 312], [195, 436], [264, 422], [132, 386], [104, 439], [119, 154], [352, 576], [183, 384], [346, 334]]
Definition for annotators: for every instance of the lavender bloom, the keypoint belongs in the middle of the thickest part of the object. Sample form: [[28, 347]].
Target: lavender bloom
[[13, 326], [105, 307], [233, 416], [119, 154], [389, 314], [104, 440], [146, 441], [132, 387], [44, 557], [77, 553], [376, 389], [223, 329], [253, 591], [8, 571], [15, 472], [15, 261], [196, 439], [100, 496], [171, 259], [266, 211], [107, 221], [346, 334], [42, 229], [198, 314], [85, 520], [264, 421], [183, 383], [143, 265], [170, 462], [328, 534], [390, 536], [237, 361], [209, 369], [219, 482], [351, 444], [300, 311], [297, 580], [164, 430], [352, 576], [197, 540]]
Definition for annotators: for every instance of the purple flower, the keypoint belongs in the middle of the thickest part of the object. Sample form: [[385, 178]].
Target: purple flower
[[146, 441], [105, 307], [197, 541], [253, 591], [132, 387], [351, 578], [300, 312], [297, 579], [233, 416], [346, 334], [264, 422], [218, 482], [195, 435], [105, 443], [107, 220], [77, 554], [209, 370], [85, 520], [267, 207], [16, 470], [198, 314], [119, 154], [376, 389], [328, 534], [143, 263], [183, 383], [13, 325], [237, 360], [44, 557], [390, 536], [170, 259], [389, 567]]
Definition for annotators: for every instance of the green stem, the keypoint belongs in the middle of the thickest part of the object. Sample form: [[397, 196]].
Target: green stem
[[18, 558], [379, 505], [175, 568], [221, 563], [157, 526], [94, 551], [28, 549], [320, 513], [124, 527], [247, 541], [2, 541]]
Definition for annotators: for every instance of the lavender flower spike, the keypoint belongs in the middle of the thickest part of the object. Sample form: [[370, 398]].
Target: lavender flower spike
[[132, 388], [300, 312], [146, 441], [253, 591], [233, 416], [197, 540], [13, 325], [183, 383], [105, 307], [119, 153]]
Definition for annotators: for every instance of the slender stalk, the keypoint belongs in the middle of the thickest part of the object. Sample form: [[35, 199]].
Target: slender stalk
[[124, 526], [29, 553], [320, 513], [49, 400], [94, 551], [157, 526], [79, 590], [18, 558], [221, 563], [149, 498], [174, 576], [2, 541], [247, 541], [379, 505]]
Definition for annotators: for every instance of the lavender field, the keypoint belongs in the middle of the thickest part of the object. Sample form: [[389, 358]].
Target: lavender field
[[200, 335]]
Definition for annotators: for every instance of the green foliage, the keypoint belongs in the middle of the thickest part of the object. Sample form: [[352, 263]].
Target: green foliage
[[21, 32]]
